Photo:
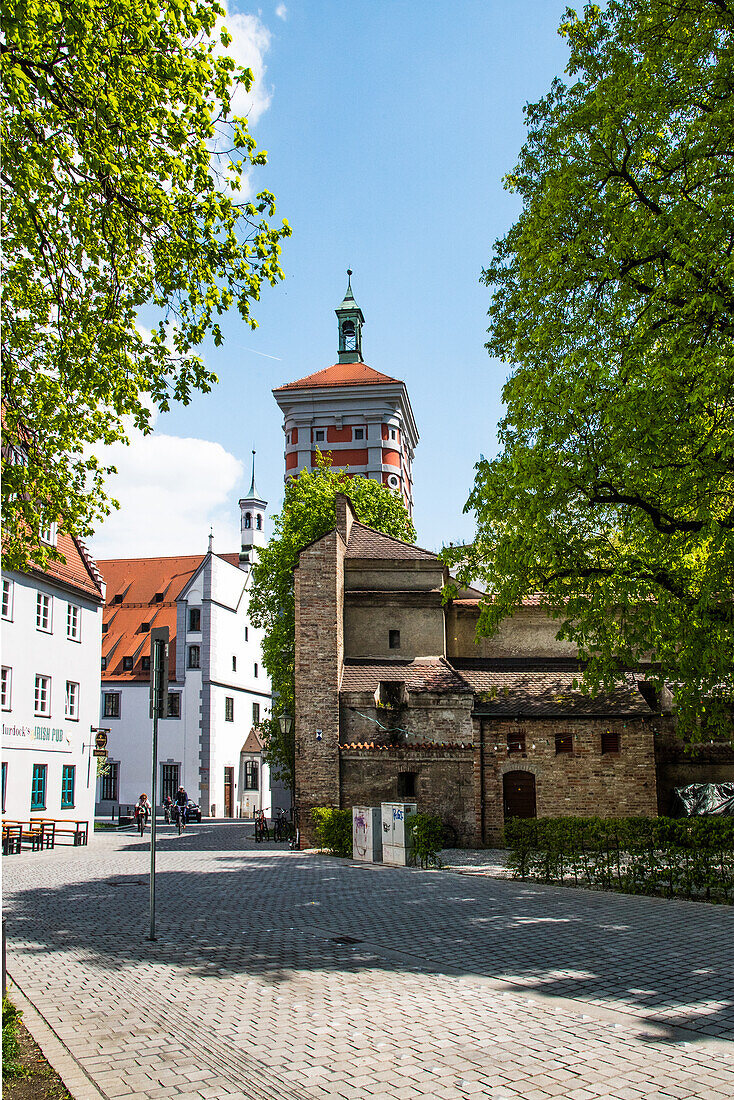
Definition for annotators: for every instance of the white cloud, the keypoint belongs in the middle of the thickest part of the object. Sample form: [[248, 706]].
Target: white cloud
[[282, 12], [171, 490], [250, 42]]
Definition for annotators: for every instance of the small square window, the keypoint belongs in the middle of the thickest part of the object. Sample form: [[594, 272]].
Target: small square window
[[173, 710], [195, 618], [194, 656], [564, 743], [406, 784], [6, 687], [127, 664], [609, 742], [105, 627], [516, 741], [359, 433], [73, 622], [144, 628], [7, 599], [43, 612], [111, 704], [319, 437], [228, 709], [158, 598], [117, 598], [43, 696], [71, 709], [394, 639]]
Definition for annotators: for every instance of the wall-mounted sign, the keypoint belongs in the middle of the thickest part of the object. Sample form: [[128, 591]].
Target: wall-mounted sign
[[100, 740], [50, 738], [100, 752]]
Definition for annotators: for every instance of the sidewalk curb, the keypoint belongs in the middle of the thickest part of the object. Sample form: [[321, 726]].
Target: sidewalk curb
[[75, 1078]]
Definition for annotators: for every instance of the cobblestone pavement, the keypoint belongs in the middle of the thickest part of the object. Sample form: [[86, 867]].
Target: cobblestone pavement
[[292, 976]]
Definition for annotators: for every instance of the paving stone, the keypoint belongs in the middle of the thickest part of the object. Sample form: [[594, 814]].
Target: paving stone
[[460, 987]]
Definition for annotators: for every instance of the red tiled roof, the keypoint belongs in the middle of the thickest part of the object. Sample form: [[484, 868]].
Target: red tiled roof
[[138, 581], [539, 692], [433, 674], [253, 742], [340, 374], [78, 571], [364, 542]]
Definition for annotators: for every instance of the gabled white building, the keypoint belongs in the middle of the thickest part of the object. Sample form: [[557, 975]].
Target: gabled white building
[[218, 689], [51, 638]]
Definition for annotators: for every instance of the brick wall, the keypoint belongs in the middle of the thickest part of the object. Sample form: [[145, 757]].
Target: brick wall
[[444, 783], [428, 717], [582, 783], [319, 599]]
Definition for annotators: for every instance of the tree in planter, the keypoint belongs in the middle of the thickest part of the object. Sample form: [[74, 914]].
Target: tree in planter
[[308, 513], [122, 169], [613, 298]]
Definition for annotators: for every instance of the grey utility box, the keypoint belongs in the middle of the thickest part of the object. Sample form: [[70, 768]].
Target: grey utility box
[[367, 833], [396, 845]]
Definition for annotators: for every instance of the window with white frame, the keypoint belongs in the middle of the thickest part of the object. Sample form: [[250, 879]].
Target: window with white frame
[[7, 682], [43, 612], [47, 534], [71, 710], [111, 704], [73, 622], [7, 599], [43, 696]]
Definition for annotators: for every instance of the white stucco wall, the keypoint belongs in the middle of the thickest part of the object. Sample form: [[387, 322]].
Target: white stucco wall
[[54, 740]]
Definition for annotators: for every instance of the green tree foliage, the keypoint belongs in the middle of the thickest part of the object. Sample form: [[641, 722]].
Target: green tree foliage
[[308, 513], [122, 172], [613, 299]]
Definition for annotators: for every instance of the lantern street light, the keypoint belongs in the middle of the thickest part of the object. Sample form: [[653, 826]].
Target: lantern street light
[[285, 721]]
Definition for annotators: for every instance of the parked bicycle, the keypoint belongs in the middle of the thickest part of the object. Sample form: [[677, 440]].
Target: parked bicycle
[[281, 825]]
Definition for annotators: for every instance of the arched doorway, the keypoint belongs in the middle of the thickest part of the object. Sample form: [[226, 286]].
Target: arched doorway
[[518, 794]]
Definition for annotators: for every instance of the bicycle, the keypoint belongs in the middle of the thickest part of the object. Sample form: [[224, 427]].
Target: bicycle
[[141, 821], [180, 813], [281, 826]]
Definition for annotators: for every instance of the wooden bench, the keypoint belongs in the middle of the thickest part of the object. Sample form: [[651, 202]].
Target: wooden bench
[[11, 838], [77, 830], [43, 832]]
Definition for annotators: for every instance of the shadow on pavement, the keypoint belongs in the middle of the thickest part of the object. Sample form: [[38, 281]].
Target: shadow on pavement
[[260, 910]]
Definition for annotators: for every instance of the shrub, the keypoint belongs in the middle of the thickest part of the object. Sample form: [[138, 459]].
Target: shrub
[[691, 858], [11, 1048], [333, 829], [427, 832]]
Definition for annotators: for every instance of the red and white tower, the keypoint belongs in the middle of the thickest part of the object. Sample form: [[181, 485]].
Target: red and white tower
[[362, 417]]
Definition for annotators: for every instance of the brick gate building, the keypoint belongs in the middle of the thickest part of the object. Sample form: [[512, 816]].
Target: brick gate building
[[395, 699]]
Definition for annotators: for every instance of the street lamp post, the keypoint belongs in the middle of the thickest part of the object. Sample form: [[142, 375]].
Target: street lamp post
[[285, 721]]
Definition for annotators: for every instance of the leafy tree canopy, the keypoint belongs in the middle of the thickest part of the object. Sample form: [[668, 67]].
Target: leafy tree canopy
[[308, 513], [122, 172], [613, 299]]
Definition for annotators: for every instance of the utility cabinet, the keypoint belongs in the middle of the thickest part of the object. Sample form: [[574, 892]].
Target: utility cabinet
[[367, 833], [396, 844]]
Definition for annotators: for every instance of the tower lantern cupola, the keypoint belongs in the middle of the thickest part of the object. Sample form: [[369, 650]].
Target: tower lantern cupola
[[252, 523], [350, 319]]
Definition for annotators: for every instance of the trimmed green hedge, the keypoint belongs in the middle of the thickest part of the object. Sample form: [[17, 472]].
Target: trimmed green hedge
[[427, 831], [686, 858], [333, 829]]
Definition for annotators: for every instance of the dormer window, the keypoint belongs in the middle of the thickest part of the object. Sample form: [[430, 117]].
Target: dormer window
[[158, 598], [117, 598], [48, 534], [144, 628]]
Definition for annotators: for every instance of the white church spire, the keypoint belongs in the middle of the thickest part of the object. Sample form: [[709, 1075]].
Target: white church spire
[[252, 522]]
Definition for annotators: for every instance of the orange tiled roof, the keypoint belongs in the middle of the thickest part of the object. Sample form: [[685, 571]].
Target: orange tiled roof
[[143, 591], [78, 571], [341, 374]]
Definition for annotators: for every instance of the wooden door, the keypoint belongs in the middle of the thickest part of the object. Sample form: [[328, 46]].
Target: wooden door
[[228, 791], [518, 790]]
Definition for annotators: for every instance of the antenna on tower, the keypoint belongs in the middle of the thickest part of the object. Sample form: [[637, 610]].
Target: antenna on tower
[[211, 539]]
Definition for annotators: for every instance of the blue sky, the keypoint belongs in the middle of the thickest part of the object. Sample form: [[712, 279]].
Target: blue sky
[[389, 125]]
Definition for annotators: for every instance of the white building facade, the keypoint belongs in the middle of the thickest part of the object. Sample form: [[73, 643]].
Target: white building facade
[[51, 640], [218, 689]]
